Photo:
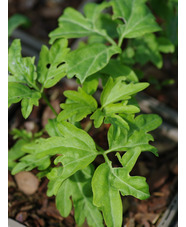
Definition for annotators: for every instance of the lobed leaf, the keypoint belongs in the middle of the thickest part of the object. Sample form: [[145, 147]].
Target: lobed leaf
[[98, 117], [72, 24], [78, 105], [75, 147], [106, 197], [22, 69], [15, 153], [148, 48], [30, 162], [121, 140], [78, 187], [87, 60], [51, 66], [108, 183], [115, 91], [18, 92], [138, 20]]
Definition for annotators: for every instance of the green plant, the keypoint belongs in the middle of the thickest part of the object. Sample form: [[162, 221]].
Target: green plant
[[15, 21], [72, 174]]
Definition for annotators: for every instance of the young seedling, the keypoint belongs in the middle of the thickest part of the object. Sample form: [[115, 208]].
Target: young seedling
[[96, 194]]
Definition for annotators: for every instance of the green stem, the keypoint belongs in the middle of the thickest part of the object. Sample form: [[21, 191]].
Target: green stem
[[100, 149], [108, 151], [48, 103], [107, 160], [108, 38], [120, 41], [88, 126]]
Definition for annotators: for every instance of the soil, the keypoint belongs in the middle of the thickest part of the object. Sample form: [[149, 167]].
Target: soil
[[162, 173]]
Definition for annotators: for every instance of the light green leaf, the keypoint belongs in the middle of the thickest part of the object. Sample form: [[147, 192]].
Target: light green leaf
[[98, 117], [78, 105], [78, 187], [21, 134], [110, 113], [28, 103], [51, 128], [23, 69], [115, 91], [87, 60], [76, 149], [30, 162], [72, 24], [51, 66], [115, 119], [117, 136], [106, 197], [135, 186], [18, 92], [15, 153], [108, 183], [121, 140], [138, 20], [122, 107]]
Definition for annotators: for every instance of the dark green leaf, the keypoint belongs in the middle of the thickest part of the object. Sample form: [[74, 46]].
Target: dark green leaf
[[15, 21], [148, 48], [116, 69], [165, 45]]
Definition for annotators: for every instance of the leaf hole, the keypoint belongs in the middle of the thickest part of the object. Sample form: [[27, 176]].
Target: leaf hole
[[62, 63], [48, 65]]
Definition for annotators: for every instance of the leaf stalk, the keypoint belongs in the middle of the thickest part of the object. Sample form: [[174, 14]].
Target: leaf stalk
[[49, 104]]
